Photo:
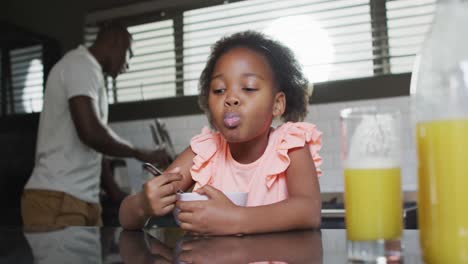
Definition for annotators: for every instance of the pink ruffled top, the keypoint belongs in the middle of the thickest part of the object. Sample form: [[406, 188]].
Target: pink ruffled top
[[265, 178]]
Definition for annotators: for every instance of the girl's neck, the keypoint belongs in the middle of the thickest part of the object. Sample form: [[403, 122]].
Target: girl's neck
[[250, 151]]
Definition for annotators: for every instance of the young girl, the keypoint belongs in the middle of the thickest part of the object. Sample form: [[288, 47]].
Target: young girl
[[248, 81]]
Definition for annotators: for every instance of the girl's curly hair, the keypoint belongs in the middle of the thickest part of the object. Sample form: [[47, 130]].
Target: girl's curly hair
[[286, 69]]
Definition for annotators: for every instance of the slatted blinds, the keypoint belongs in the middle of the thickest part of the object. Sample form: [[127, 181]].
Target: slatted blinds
[[25, 77], [334, 39]]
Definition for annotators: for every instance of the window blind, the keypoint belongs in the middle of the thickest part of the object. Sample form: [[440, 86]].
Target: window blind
[[152, 69], [151, 72], [408, 24], [346, 23], [362, 38], [27, 79]]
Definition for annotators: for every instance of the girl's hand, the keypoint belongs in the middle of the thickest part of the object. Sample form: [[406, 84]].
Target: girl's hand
[[217, 216], [159, 193]]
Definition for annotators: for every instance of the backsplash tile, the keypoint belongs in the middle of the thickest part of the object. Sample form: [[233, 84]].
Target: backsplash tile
[[325, 116]]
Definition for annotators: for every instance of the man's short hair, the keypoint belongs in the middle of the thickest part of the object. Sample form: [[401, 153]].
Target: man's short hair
[[109, 30]]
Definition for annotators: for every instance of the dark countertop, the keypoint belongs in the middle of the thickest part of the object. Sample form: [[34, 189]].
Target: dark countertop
[[170, 245]]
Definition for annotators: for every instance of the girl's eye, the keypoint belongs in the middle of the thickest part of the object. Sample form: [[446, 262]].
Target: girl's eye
[[218, 90], [248, 89]]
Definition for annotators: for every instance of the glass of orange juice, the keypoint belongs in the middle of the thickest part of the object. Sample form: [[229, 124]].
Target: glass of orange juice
[[372, 194]]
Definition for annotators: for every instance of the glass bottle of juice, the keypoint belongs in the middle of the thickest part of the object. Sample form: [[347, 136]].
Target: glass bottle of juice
[[439, 97]]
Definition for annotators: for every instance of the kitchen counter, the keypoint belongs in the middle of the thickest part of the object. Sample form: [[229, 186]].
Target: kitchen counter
[[172, 245]]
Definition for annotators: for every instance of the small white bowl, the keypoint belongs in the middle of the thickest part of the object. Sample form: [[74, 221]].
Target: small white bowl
[[238, 198]]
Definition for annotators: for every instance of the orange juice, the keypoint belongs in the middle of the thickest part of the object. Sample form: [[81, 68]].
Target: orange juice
[[373, 203], [443, 190]]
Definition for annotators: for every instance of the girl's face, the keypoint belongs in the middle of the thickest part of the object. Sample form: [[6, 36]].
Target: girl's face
[[243, 98]]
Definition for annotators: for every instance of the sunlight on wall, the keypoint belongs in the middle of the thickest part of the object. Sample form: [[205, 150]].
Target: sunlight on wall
[[309, 41]]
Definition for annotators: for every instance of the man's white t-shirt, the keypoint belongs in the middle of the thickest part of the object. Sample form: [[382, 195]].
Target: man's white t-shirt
[[63, 162], [69, 245]]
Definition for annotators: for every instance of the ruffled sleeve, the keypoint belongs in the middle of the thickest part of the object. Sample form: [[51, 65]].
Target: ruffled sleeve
[[204, 146], [292, 135]]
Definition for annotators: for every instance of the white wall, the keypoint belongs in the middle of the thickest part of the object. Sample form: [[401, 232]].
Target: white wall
[[325, 116]]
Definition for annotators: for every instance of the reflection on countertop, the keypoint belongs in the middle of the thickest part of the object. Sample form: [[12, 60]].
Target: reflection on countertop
[[283, 247], [173, 245]]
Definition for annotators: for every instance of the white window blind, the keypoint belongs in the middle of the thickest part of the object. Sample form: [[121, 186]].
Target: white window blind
[[27, 79], [151, 71], [90, 33], [168, 60], [408, 24], [346, 24]]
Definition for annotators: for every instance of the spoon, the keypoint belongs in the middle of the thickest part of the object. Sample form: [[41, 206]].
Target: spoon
[[152, 169]]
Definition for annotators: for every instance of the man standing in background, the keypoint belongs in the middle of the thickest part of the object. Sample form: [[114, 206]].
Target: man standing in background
[[73, 134]]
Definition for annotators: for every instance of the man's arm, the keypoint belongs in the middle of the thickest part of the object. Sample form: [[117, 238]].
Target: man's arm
[[112, 189], [98, 136]]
